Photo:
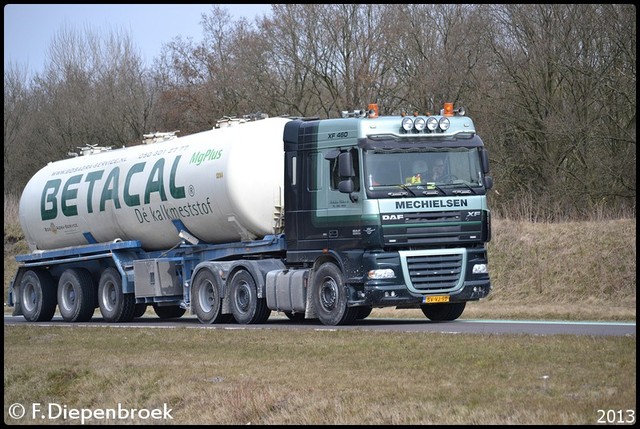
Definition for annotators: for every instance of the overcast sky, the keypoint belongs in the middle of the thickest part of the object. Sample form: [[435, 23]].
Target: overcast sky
[[29, 28]]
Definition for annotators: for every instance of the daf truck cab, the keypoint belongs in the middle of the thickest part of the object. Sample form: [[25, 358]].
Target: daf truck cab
[[377, 232]]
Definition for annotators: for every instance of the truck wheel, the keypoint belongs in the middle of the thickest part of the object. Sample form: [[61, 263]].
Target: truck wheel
[[443, 312], [168, 311], [245, 305], [37, 296], [329, 296], [76, 295], [139, 310], [363, 312], [205, 298], [115, 305]]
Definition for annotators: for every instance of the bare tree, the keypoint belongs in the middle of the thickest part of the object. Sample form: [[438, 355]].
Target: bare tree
[[201, 80], [556, 108], [17, 115], [315, 59], [94, 90], [336, 52], [286, 55]]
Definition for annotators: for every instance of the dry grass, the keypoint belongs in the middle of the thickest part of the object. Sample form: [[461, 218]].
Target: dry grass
[[564, 261], [320, 377]]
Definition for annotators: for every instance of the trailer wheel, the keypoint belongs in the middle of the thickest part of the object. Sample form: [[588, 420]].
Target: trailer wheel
[[115, 305], [76, 295], [443, 312], [37, 296], [245, 305], [168, 311], [329, 296], [206, 301]]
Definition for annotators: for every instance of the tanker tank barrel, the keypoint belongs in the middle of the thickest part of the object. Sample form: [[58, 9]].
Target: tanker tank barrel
[[195, 183]]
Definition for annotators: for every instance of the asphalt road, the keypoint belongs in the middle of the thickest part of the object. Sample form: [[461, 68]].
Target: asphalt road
[[460, 326]]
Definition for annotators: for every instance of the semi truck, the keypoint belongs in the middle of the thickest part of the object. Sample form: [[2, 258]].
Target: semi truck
[[314, 218]]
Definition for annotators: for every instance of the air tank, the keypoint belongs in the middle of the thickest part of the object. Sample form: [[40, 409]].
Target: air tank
[[221, 185]]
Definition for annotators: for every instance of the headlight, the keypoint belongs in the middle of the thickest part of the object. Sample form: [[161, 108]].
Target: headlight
[[419, 124], [432, 123], [386, 273], [479, 269]]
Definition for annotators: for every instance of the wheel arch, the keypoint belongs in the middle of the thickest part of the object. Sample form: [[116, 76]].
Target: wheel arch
[[330, 257]]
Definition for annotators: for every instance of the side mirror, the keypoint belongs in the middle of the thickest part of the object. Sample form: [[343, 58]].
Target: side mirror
[[347, 187], [345, 165]]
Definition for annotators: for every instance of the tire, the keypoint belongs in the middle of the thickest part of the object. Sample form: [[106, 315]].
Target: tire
[[443, 312], [115, 306], [76, 295], [168, 311], [295, 317], [206, 301], [246, 307], [37, 296], [139, 310], [329, 296], [363, 312]]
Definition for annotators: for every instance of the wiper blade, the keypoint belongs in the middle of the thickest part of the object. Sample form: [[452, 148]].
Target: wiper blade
[[406, 188], [433, 189]]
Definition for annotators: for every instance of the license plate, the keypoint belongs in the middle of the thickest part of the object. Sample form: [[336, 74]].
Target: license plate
[[435, 299]]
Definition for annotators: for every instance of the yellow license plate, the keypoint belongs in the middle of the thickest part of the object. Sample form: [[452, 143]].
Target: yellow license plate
[[435, 299]]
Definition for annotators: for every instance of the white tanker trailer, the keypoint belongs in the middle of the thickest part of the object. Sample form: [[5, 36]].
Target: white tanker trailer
[[313, 218], [220, 186]]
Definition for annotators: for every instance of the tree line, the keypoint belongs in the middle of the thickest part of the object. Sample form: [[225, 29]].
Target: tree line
[[551, 88]]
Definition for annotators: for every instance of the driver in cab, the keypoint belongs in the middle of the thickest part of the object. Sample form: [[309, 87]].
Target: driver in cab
[[419, 169], [437, 170]]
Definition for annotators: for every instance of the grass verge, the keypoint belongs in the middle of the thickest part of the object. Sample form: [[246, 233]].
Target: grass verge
[[217, 376]]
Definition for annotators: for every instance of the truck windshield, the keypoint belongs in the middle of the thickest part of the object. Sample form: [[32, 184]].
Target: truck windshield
[[448, 168]]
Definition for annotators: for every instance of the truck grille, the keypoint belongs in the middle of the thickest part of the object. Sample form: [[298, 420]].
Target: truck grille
[[433, 271], [432, 228]]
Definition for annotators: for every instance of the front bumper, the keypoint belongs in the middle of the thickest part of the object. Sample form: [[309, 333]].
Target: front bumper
[[423, 273], [386, 296]]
